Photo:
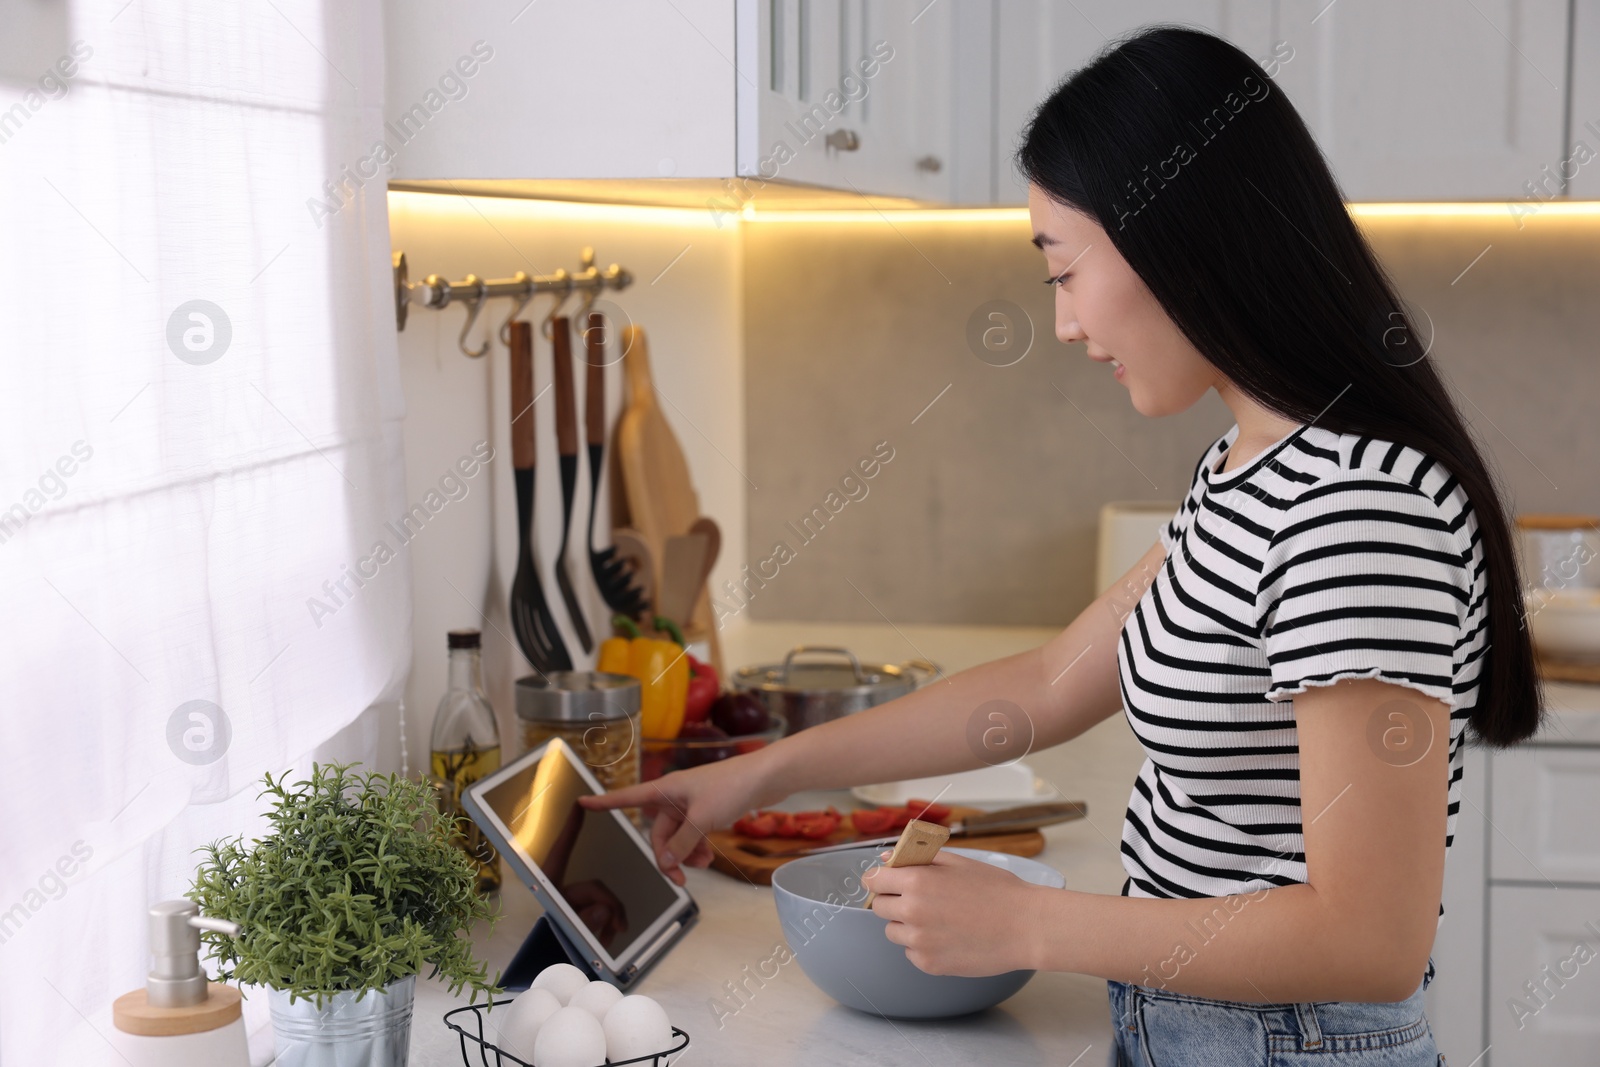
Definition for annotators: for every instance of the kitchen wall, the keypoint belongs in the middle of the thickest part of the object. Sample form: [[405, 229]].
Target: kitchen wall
[[686, 295], [859, 330], [805, 354]]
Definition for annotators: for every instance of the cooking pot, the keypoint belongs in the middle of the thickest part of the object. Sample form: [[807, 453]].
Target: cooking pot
[[809, 693]]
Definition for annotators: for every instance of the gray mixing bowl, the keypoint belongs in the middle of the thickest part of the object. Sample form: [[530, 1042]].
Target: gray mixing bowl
[[842, 948]]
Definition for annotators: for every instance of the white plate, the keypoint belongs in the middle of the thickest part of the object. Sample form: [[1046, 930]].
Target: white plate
[[1009, 783]]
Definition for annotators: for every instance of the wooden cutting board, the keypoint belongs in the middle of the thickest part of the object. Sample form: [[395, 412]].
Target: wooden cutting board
[[729, 855], [661, 500], [1555, 670]]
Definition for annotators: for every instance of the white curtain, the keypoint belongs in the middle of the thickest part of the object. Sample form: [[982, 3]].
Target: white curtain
[[199, 448]]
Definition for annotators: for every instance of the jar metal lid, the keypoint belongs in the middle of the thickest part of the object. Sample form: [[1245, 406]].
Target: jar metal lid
[[577, 696]]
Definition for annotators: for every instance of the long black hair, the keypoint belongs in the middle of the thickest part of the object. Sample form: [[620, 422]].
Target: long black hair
[[1208, 183]]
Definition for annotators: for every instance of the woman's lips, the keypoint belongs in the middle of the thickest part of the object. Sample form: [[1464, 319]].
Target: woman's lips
[[1117, 369]]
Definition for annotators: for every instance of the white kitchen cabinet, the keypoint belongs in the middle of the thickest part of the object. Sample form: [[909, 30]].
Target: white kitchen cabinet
[[852, 95], [1543, 1000], [1040, 42], [1545, 801], [1454, 999], [1581, 168], [1522, 888], [856, 95], [1430, 99], [1425, 100], [927, 99], [624, 89]]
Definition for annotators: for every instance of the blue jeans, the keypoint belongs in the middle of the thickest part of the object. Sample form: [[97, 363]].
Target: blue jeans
[[1155, 1028]]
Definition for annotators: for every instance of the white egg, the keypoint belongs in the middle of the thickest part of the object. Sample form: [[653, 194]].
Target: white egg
[[520, 1021], [596, 998], [635, 1026], [570, 1038], [562, 979]]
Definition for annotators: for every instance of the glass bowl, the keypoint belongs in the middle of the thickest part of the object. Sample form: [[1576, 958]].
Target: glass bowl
[[659, 756]]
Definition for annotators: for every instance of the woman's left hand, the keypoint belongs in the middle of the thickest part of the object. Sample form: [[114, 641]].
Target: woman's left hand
[[956, 915]]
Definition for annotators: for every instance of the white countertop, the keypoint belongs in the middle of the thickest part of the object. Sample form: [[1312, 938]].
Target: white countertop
[[1056, 1018]]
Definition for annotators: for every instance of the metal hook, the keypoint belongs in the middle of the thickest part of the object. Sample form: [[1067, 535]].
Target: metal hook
[[476, 298], [548, 327], [589, 297], [516, 308]]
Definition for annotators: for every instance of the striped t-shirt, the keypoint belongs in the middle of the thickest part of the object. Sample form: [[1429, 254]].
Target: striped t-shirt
[[1328, 556]]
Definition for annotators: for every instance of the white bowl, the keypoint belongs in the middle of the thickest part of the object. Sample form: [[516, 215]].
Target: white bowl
[[1566, 623]]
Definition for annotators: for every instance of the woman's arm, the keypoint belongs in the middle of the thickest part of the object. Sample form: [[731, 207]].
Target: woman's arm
[[1060, 689], [1360, 929]]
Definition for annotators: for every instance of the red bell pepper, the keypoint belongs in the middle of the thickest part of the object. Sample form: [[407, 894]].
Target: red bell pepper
[[704, 686]]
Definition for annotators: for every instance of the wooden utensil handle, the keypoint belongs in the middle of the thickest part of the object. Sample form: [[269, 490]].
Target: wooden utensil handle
[[521, 395], [919, 842], [594, 386], [636, 367], [566, 405]]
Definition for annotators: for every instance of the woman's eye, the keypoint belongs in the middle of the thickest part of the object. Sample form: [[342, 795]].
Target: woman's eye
[[1058, 279]]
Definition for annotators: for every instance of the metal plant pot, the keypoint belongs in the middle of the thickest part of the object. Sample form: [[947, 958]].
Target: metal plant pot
[[347, 1029]]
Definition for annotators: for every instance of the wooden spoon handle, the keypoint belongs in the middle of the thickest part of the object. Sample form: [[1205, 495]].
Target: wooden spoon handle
[[566, 404], [522, 453], [594, 386], [919, 842], [636, 367]]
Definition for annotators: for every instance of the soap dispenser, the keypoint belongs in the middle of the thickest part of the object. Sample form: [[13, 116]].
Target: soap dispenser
[[180, 1019]]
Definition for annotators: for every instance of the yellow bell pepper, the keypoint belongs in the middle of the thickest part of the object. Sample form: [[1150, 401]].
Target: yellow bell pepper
[[662, 668], [613, 656]]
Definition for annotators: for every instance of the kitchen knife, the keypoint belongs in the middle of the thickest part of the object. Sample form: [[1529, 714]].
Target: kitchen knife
[[1007, 820]]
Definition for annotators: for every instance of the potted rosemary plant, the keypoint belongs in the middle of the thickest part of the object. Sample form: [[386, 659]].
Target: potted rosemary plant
[[355, 890]]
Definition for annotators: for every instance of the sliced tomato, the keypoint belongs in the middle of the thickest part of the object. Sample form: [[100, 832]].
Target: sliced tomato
[[816, 824], [785, 824], [756, 824], [928, 811], [872, 821]]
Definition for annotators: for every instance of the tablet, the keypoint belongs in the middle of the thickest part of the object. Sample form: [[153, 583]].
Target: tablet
[[592, 871]]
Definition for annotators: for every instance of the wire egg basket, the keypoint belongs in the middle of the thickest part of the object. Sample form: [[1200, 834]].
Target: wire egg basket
[[468, 1023]]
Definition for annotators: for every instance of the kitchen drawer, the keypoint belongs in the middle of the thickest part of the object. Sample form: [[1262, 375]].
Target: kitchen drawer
[[1545, 803], [1542, 937]]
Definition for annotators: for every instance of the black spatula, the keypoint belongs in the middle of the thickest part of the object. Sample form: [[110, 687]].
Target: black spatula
[[613, 575]]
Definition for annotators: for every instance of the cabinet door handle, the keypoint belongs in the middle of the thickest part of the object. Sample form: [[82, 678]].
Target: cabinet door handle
[[842, 140]]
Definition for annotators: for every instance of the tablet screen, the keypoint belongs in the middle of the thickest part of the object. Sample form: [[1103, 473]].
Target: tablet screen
[[614, 886]]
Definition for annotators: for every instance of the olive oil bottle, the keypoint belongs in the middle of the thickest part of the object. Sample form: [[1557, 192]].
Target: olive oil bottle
[[466, 747]]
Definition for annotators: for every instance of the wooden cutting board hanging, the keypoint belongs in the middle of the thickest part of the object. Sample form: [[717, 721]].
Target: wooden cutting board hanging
[[660, 494]]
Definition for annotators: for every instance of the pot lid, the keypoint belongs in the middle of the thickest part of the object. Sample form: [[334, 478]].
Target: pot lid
[[844, 672]]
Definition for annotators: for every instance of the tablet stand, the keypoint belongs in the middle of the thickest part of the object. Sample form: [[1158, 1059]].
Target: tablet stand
[[544, 945]]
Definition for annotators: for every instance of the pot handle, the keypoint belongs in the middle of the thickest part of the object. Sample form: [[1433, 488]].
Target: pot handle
[[798, 650], [923, 667]]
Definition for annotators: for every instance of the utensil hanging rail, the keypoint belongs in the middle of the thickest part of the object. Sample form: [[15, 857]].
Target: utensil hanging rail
[[437, 292]]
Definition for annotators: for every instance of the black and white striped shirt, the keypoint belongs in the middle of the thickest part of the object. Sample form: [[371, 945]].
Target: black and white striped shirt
[[1328, 556]]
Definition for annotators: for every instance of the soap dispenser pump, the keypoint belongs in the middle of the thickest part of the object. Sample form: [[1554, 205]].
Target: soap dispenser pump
[[181, 1019]]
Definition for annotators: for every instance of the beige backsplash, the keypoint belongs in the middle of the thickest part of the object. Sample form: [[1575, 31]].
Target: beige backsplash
[[986, 513]]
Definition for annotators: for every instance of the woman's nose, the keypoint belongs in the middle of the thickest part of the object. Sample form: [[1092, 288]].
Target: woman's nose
[[1068, 331]]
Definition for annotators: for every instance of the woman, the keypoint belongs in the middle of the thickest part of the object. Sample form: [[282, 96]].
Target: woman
[[1333, 604]]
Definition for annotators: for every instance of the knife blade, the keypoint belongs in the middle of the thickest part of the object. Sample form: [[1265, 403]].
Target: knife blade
[[1007, 820]]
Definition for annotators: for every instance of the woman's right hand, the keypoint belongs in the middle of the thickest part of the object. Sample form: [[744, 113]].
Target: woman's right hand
[[686, 804]]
